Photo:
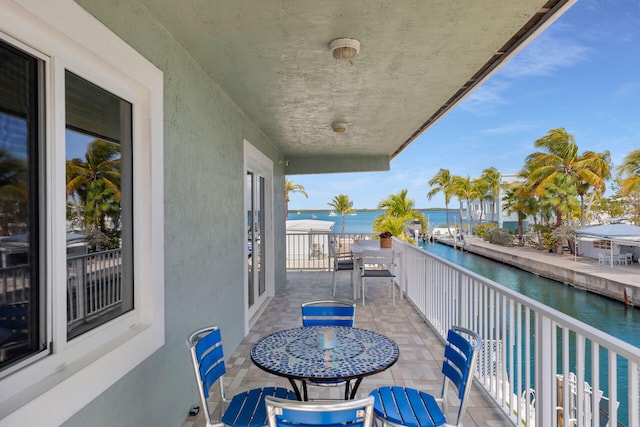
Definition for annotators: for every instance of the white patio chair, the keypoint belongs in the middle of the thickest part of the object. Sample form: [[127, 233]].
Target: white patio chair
[[377, 264], [340, 263]]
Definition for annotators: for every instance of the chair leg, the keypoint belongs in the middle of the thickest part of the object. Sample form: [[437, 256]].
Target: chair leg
[[334, 282]]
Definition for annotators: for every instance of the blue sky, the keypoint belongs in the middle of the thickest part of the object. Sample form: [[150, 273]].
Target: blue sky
[[582, 74]]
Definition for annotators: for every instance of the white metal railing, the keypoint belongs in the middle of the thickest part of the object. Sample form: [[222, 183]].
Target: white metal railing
[[94, 284], [310, 251], [530, 350]]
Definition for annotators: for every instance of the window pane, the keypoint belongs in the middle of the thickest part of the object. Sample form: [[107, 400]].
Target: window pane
[[20, 291], [99, 206]]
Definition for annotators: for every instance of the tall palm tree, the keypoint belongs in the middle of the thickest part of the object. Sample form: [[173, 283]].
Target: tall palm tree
[[600, 165], [13, 193], [492, 177], [517, 199], [402, 210], [343, 205], [96, 183], [562, 167], [482, 193], [629, 172], [464, 189], [442, 181], [291, 187]]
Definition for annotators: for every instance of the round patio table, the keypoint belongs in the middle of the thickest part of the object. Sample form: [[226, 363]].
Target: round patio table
[[297, 355]]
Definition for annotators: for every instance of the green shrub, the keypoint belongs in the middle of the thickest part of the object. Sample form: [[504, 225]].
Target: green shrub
[[482, 229], [499, 236]]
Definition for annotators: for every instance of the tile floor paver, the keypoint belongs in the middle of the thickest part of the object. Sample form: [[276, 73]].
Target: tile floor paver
[[421, 351]]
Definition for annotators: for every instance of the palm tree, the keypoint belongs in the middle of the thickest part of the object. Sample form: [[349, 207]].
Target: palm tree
[[629, 172], [398, 210], [343, 205], [442, 182], [13, 193], [517, 199], [492, 177], [96, 183], [600, 165], [464, 189], [291, 187], [563, 168]]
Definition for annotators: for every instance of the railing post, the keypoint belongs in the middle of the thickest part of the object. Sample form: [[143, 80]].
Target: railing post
[[545, 406]]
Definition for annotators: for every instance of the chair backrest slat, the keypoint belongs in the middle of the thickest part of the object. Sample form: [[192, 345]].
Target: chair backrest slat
[[289, 413], [328, 313], [377, 256], [460, 359]]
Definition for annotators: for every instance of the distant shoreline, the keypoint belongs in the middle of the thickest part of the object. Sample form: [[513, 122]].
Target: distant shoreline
[[370, 210]]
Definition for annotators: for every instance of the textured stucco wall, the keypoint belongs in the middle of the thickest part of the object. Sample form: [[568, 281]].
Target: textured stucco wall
[[204, 223]]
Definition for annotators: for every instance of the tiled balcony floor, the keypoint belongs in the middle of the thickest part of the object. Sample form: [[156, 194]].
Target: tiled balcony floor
[[420, 349]]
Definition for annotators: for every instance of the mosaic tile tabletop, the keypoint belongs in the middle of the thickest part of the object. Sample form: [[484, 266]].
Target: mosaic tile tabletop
[[296, 353]]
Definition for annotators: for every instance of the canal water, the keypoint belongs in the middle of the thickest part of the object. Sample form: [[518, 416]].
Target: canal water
[[605, 314]]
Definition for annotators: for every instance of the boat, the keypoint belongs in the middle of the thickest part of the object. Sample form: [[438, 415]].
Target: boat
[[332, 213], [314, 216], [353, 213], [298, 213]]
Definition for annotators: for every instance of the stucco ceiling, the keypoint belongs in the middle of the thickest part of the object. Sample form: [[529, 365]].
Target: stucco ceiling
[[417, 60]]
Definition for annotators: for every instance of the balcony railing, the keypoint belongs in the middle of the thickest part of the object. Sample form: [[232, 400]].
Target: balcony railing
[[310, 251], [540, 366], [530, 350], [94, 285]]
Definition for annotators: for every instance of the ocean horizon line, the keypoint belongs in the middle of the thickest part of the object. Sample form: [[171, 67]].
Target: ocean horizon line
[[369, 210]]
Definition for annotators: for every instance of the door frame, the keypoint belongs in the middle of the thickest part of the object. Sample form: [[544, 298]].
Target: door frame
[[256, 161]]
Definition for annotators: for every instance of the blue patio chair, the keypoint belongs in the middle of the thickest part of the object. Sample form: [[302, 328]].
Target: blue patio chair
[[403, 406], [328, 313], [244, 409], [340, 263], [351, 413]]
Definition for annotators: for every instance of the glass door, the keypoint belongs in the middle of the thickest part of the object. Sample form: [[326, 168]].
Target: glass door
[[256, 237], [259, 231]]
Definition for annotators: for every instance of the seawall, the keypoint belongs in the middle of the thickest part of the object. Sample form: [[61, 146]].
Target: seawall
[[619, 283]]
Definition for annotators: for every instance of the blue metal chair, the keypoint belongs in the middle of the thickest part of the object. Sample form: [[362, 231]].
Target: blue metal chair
[[328, 313], [351, 413], [402, 406], [244, 409]]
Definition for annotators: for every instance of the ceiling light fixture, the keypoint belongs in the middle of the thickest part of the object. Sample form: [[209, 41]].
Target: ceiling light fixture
[[344, 49], [339, 127]]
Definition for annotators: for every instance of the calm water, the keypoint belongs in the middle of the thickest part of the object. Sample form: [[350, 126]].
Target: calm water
[[362, 222]]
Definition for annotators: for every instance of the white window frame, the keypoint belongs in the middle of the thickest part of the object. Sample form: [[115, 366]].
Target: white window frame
[[50, 388]]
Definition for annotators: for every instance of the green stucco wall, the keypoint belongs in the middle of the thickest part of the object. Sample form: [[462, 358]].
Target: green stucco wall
[[204, 223]]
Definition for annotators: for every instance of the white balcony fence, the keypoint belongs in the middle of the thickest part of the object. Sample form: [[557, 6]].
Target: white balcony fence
[[310, 251], [530, 350]]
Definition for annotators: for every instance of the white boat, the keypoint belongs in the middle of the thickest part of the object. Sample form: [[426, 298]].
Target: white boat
[[314, 216], [332, 213], [353, 213]]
